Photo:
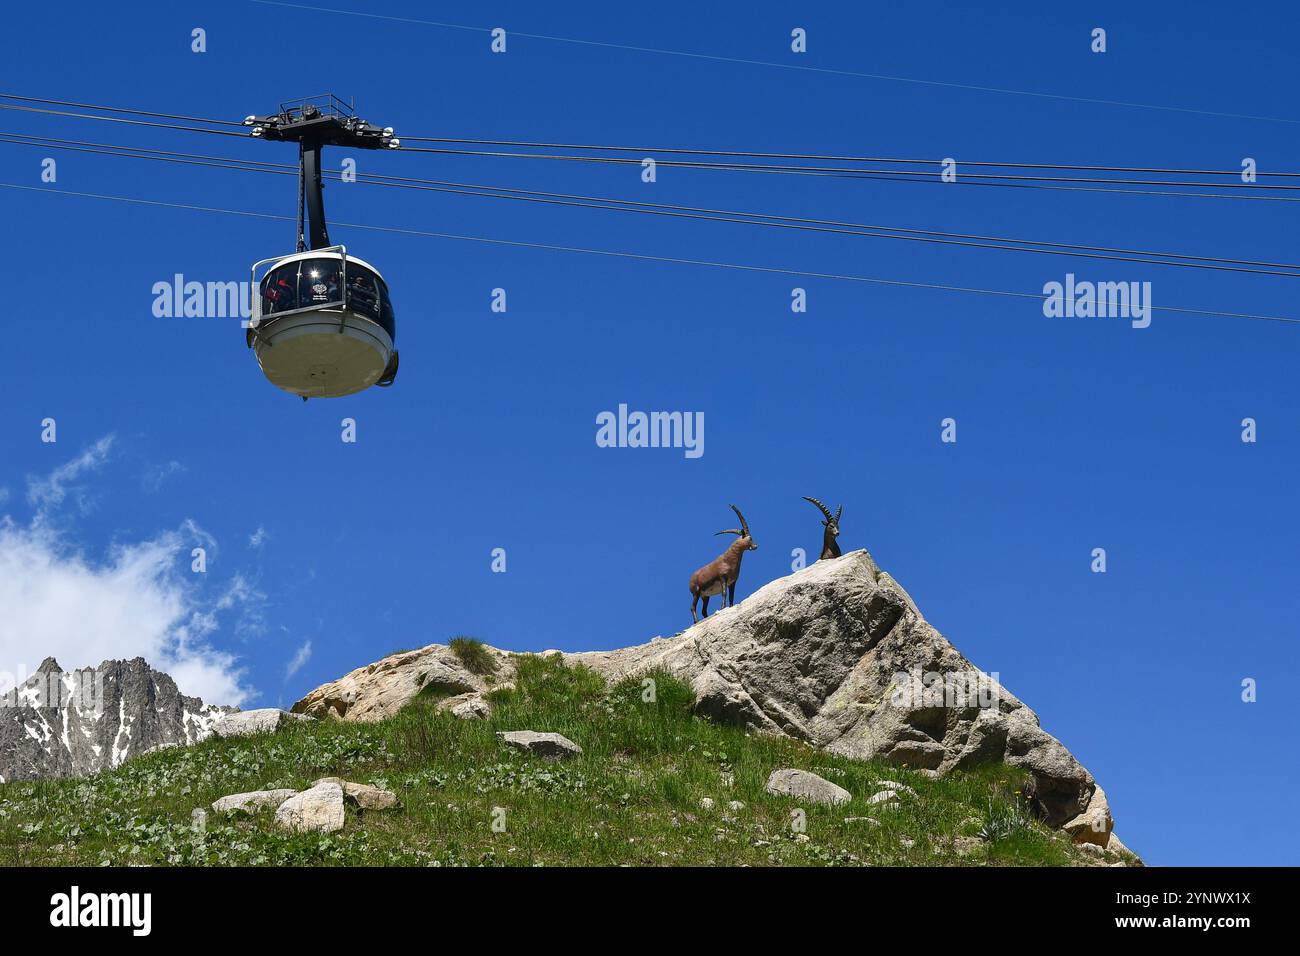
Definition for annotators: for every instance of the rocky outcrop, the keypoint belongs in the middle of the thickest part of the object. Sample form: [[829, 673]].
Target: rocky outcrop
[[1116, 846], [58, 724], [383, 688], [836, 655], [1094, 824]]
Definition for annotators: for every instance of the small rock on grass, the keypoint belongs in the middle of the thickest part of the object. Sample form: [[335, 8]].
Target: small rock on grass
[[318, 810], [370, 798], [896, 787], [251, 802], [807, 786], [246, 723], [471, 706], [363, 795], [548, 745], [968, 845]]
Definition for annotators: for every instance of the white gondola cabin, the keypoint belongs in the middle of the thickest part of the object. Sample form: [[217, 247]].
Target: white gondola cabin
[[322, 324]]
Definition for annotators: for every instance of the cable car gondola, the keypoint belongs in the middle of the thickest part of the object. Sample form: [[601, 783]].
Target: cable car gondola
[[322, 323]]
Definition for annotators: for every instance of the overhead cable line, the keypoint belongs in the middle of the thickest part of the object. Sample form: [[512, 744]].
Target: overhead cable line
[[118, 109], [891, 176], [139, 152], [854, 230], [867, 230], [786, 66], [785, 168], [121, 119], [677, 150], [632, 255], [1094, 184], [832, 222], [647, 150], [894, 176]]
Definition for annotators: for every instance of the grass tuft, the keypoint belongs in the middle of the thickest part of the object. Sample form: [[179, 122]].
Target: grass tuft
[[473, 654], [1002, 822]]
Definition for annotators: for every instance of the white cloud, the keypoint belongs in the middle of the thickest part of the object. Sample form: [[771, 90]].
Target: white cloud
[[47, 493], [300, 658], [134, 604], [154, 475], [139, 600], [258, 538]]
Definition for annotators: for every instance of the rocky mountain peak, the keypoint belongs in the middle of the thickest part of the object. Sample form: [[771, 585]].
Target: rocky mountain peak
[[59, 723]]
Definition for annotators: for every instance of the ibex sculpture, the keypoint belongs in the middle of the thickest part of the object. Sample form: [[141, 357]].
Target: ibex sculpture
[[719, 576], [830, 547]]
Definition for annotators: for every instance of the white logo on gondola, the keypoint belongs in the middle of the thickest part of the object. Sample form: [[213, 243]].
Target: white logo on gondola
[[320, 288]]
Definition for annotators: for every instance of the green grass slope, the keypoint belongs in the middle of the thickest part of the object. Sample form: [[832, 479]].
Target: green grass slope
[[633, 797]]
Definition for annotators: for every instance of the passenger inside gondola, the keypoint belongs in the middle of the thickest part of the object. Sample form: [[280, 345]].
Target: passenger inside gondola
[[363, 297], [280, 290]]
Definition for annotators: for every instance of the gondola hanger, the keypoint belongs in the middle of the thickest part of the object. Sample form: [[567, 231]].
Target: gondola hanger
[[322, 324]]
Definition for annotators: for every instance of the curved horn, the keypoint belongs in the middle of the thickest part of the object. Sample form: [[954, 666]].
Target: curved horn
[[824, 510], [744, 525], [839, 511], [735, 531]]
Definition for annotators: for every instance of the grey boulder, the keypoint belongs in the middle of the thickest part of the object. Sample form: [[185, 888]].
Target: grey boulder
[[363, 795], [472, 706], [548, 745], [251, 802], [806, 785], [1094, 824], [246, 723], [318, 810]]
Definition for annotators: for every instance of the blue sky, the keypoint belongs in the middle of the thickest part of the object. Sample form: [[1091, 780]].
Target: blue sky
[[1073, 434]]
